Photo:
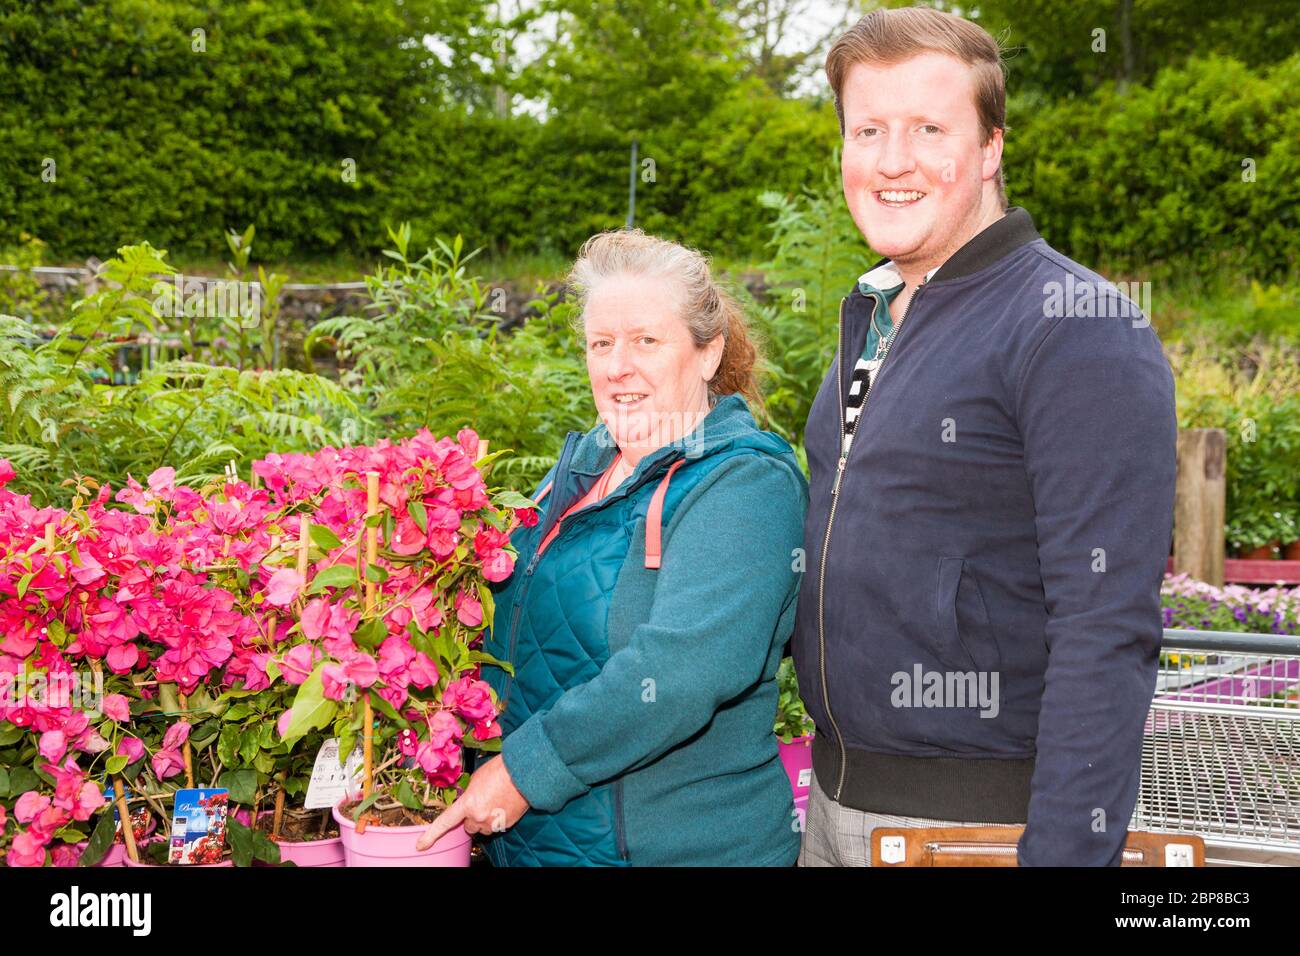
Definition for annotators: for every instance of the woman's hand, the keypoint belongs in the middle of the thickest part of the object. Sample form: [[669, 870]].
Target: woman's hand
[[490, 804]]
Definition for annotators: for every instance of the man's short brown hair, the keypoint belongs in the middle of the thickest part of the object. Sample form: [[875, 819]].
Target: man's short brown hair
[[886, 37]]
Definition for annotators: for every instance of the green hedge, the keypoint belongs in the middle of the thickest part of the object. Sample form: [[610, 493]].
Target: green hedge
[[1154, 174], [153, 140]]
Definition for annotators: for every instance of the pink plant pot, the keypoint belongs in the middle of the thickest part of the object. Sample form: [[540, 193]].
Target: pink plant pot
[[395, 846], [313, 853], [116, 855], [796, 757]]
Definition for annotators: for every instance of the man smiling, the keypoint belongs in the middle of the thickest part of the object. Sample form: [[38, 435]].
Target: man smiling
[[991, 488]]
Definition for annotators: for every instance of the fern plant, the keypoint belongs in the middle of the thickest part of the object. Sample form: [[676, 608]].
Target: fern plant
[[816, 254], [57, 421]]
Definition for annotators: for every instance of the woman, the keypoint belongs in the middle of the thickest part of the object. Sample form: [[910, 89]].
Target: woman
[[651, 603]]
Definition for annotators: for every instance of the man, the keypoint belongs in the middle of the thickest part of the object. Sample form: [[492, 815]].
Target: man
[[992, 468]]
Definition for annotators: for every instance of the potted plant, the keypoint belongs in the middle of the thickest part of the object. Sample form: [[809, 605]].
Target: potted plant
[[385, 654], [794, 728]]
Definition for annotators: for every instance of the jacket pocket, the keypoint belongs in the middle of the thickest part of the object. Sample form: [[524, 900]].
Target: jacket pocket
[[962, 625]]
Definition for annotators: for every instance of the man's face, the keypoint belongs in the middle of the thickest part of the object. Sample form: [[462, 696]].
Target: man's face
[[913, 168]]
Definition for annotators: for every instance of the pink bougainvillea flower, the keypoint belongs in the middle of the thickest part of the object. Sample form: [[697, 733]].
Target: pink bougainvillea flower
[[422, 672], [334, 681], [167, 763], [132, 748], [176, 735], [486, 729], [90, 799], [470, 698], [53, 745], [362, 670], [116, 708], [283, 587], [7, 473], [498, 566], [282, 725], [468, 609], [26, 850], [30, 805], [162, 482], [467, 438], [123, 658], [297, 665], [65, 854], [526, 516]]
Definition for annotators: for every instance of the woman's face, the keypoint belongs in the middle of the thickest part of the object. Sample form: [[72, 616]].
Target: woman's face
[[648, 378]]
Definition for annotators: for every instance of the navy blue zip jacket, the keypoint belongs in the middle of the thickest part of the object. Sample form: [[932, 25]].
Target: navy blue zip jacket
[[977, 631]]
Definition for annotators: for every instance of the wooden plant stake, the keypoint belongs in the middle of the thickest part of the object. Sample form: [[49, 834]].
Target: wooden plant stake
[[368, 730], [189, 764], [128, 833]]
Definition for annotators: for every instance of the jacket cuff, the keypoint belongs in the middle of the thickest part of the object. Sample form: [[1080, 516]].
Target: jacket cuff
[[537, 770]]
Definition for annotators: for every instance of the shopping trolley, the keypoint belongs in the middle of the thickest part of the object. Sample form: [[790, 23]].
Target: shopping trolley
[[1220, 766]]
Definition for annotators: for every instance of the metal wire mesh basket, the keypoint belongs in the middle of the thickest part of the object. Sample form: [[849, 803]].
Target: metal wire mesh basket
[[1221, 747]]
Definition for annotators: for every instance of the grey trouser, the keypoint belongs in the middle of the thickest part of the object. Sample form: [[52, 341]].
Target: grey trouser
[[835, 835]]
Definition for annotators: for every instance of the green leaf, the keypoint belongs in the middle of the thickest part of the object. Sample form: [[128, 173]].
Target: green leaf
[[250, 743], [9, 734], [241, 842], [264, 762], [513, 499], [482, 657], [323, 537], [311, 709], [25, 580], [58, 636], [370, 634], [228, 746], [22, 779], [4, 782], [489, 604], [404, 795], [384, 707], [116, 764], [376, 574], [374, 520], [242, 785], [338, 576], [100, 839], [421, 518], [237, 712]]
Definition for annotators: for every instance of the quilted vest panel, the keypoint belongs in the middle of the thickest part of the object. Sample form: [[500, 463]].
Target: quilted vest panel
[[551, 622]]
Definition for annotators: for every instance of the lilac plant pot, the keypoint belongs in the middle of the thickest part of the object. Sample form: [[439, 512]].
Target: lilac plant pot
[[395, 846], [796, 757]]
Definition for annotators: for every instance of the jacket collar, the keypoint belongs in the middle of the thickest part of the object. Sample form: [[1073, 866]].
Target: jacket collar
[[729, 418], [993, 242]]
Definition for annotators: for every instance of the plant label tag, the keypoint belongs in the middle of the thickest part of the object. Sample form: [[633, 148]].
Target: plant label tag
[[331, 781], [805, 777], [198, 833]]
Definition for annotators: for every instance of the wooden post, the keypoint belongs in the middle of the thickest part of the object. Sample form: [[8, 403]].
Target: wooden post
[[1199, 494], [372, 555], [128, 834]]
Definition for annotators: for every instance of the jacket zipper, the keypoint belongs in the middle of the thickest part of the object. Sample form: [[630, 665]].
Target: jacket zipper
[[835, 492], [552, 518], [620, 832]]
